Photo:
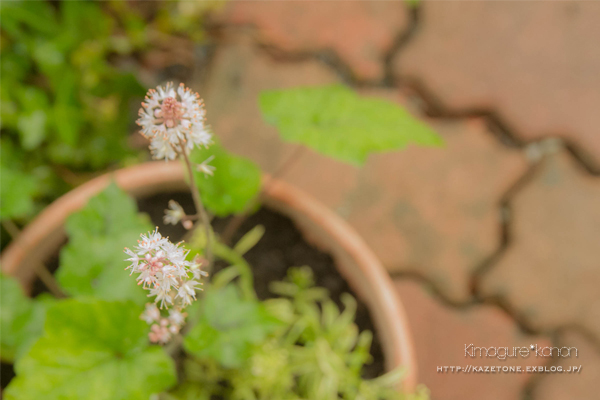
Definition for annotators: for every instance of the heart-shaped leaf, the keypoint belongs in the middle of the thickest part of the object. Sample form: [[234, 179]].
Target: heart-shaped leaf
[[92, 263], [94, 350], [335, 121], [235, 181]]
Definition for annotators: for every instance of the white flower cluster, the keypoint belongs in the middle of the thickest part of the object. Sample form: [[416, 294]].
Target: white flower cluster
[[170, 278], [173, 120]]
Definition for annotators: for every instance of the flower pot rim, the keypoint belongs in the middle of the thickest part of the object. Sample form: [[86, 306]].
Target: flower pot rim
[[367, 277]]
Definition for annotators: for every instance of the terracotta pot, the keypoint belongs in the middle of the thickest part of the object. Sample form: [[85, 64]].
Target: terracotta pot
[[322, 227]]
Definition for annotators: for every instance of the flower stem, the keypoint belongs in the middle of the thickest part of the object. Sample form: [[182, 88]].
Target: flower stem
[[200, 210], [40, 269]]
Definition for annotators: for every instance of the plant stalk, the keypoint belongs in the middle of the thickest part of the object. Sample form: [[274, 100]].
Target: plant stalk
[[200, 210]]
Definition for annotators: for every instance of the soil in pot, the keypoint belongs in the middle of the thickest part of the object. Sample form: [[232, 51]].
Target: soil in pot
[[281, 247]]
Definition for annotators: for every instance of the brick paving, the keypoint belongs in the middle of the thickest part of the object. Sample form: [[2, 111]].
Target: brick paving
[[535, 64], [360, 33], [434, 211], [524, 220], [551, 271]]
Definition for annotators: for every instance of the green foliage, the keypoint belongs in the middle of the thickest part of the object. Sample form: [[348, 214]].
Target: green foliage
[[21, 182], [315, 351], [92, 350], [16, 190], [235, 183], [92, 263], [249, 240], [75, 113], [229, 326], [21, 318], [60, 98], [335, 121], [69, 87]]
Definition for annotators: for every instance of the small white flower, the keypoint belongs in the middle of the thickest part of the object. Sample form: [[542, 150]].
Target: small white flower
[[162, 297], [204, 167], [151, 313], [173, 120], [147, 278], [176, 317], [201, 136], [174, 213], [161, 148], [187, 292], [196, 268], [166, 280], [150, 242], [134, 259]]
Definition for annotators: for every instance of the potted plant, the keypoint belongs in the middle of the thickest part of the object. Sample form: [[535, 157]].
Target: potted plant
[[228, 343]]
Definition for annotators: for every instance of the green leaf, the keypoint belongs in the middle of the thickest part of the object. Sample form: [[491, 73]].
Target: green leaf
[[15, 308], [21, 318], [32, 128], [229, 327], [35, 15], [67, 122], [68, 118], [94, 350], [235, 183], [335, 121], [16, 193], [92, 263], [249, 240]]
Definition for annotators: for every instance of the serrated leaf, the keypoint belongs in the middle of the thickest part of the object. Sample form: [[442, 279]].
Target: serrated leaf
[[236, 181], [229, 326], [335, 121], [94, 350], [92, 263]]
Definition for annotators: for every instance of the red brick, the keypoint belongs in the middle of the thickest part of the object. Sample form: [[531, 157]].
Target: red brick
[[583, 385], [359, 32], [436, 210], [440, 334], [550, 272], [534, 63]]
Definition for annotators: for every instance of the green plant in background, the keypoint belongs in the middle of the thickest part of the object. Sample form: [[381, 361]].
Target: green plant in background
[[337, 122], [69, 74], [62, 100], [229, 344]]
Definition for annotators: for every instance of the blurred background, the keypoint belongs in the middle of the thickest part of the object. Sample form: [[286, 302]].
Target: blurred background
[[491, 240]]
